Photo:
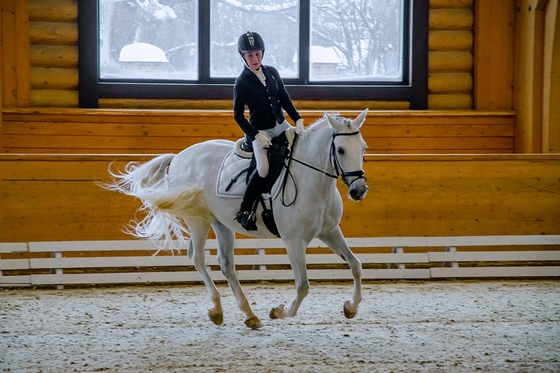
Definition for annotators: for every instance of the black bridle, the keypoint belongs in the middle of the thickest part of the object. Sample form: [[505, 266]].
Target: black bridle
[[359, 174]]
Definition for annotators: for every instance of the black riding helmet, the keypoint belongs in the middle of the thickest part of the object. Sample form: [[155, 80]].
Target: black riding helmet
[[249, 42]]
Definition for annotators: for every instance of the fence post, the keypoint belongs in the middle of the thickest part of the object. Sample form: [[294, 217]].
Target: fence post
[[396, 250], [450, 249], [57, 271]]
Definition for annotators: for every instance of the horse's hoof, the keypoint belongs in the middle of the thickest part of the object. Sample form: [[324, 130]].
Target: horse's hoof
[[277, 312], [253, 323], [347, 312], [216, 318]]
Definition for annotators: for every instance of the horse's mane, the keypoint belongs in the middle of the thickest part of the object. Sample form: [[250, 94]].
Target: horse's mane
[[319, 122]]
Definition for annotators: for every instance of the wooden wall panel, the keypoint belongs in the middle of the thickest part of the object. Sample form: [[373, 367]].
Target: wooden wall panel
[[9, 86], [528, 78], [15, 45], [551, 79], [535, 42], [1, 83], [78, 131], [50, 198], [457, 195], [493, 54]]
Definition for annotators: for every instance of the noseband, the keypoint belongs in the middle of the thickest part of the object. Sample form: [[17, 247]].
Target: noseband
[[359, 174]]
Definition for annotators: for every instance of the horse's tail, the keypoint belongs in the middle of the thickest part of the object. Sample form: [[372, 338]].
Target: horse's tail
[[163, 205]]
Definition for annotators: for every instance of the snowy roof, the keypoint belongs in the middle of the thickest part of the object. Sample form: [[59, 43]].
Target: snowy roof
[[323, 55], [142, 52]]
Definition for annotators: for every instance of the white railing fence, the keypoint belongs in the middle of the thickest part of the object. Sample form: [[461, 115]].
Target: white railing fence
[[121, 262]]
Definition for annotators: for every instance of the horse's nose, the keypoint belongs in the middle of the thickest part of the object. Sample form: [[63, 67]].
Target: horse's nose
[[358, 192]]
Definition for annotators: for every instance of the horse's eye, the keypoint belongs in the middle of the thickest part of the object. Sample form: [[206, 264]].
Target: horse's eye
[[340, 151]]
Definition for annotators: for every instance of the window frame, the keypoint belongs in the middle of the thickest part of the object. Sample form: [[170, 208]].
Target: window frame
[[415, 66]]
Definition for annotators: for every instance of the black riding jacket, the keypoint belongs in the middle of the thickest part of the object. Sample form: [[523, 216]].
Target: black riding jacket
[[265, 103]]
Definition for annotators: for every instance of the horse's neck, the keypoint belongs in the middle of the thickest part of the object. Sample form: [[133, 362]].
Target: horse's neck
[[314, 148]]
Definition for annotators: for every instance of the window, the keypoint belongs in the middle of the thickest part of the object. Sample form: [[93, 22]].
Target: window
[[324, 49]]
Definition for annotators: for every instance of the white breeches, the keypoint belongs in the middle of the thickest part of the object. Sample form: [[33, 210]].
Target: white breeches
[[261, 158]]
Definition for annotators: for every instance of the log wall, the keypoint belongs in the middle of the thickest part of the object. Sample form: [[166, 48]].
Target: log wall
[[50, 78], [53, 36], [450, 56], [55, 197]]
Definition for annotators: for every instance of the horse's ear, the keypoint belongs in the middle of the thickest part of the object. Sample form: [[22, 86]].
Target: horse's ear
[[360, 119]]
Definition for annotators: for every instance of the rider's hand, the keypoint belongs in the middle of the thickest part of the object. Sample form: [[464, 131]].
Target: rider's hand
[[263, 139], [299, 126]]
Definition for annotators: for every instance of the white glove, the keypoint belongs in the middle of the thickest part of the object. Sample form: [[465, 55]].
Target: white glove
[[263, 139], [299, 126]]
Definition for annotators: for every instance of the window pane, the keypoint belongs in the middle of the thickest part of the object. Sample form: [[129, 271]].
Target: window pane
[[356, 40], [277, 21], [148, 39]]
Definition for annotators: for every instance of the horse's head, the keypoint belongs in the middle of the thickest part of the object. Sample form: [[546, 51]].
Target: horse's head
[[347, 153]]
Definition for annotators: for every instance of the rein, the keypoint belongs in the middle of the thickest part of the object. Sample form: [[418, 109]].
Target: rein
[[334, 161]]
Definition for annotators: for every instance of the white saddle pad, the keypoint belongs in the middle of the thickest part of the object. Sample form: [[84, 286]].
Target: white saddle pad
[[236, 161]]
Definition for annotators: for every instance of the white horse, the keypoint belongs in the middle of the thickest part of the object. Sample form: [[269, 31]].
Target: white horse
[[179, 192]]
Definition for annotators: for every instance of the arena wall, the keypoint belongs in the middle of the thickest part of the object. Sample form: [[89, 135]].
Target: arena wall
[[57, 198], [79, 131]]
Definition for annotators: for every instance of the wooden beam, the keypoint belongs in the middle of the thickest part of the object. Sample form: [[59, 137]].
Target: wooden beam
[[15, 45], [138, 131], [1, 79], [529, 39], [56, 11], [9, 55], [22, 53], [493, 56], [551, 79], [450, 40]]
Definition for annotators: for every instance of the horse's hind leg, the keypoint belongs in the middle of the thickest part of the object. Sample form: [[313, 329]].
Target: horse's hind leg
[[226, 241], [336, 242], [199, 235]]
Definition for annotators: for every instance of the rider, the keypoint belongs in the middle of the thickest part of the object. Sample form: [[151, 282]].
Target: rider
[[262, 90]]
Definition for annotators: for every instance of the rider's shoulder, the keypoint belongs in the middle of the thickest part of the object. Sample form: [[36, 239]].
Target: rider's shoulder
[[271, 69]]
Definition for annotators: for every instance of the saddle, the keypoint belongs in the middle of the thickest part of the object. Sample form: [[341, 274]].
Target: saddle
[[242, 161]]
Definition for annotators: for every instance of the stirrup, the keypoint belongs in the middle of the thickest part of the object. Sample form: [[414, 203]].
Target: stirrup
[[247, 220]]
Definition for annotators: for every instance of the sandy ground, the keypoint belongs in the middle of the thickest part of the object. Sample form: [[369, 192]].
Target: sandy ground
[[461, 326]]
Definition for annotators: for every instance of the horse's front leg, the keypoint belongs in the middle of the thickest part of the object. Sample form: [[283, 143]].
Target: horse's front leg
[[196, 253], [296, 255], [336, 242], [226, 241]]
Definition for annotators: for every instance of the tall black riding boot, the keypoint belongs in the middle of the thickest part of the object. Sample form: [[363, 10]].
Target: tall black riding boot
[[245, 216]]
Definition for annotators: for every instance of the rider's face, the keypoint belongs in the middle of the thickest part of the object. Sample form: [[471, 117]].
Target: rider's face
[[253, 59]]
